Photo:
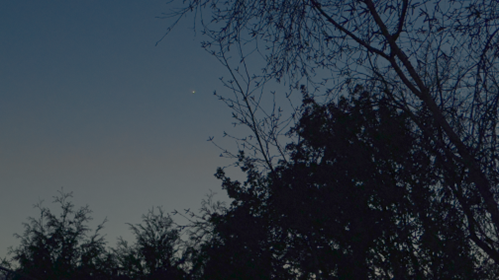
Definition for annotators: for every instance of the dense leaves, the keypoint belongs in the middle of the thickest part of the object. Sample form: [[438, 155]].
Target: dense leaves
[[436, 60], [365, 199], [361, 198]]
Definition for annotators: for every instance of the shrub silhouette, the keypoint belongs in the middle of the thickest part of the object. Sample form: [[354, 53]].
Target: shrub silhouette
[[57, 247]]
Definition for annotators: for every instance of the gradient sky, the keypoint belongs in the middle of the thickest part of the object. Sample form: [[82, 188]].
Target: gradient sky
[[88, 103]]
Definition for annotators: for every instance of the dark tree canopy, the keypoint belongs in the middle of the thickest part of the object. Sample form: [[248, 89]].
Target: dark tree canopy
[[362, 189], [360, 198], [435, 60], [363, 195], [393, 179]]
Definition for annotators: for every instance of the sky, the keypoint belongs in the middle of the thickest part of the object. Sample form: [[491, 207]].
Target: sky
[[89, 104]]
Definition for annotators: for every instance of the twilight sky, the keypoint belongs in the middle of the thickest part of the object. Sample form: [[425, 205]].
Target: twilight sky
[[88, 103]]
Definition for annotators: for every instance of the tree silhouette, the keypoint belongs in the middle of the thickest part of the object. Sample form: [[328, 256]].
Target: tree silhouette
[[240, 244], [154, 253], [434, 59], [366, 199], [59, 247], [360, 198]]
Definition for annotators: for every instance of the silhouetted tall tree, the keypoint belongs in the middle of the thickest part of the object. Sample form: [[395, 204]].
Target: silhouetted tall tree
[[361, 197], [433, 56]]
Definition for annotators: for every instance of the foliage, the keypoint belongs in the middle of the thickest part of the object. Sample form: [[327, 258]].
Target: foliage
[[60, 247], [397, 182], [360, 198], [154, 254], [240, 245], [436, 60]]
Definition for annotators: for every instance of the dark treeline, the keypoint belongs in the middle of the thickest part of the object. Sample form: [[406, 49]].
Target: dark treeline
[[391, 174], [361, 197]]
